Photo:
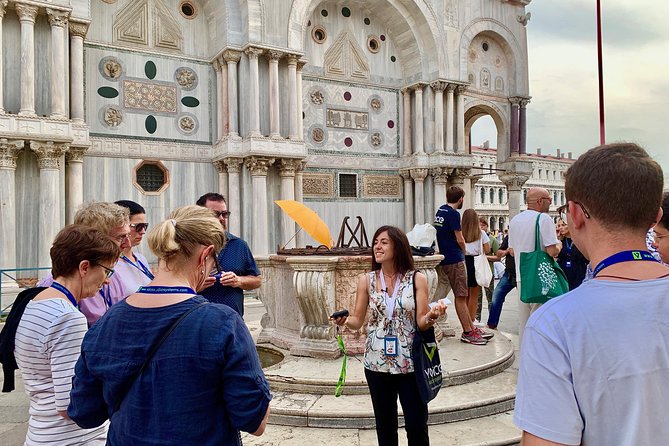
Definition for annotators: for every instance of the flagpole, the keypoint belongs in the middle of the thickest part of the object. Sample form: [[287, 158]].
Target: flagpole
[[602, 132]]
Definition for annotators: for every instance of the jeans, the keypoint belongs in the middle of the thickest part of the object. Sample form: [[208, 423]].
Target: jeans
[[501, 290]]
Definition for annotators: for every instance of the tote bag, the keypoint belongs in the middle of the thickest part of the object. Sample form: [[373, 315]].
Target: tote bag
[[482, 267], [426, 361], [540, 275]]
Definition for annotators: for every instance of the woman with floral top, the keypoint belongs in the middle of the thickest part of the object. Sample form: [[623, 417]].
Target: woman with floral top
[[388, 292]]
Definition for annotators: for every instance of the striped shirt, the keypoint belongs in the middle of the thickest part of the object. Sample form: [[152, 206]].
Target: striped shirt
[[48, 344]]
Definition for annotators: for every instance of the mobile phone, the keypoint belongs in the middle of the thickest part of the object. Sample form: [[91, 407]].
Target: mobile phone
[[338, 314]]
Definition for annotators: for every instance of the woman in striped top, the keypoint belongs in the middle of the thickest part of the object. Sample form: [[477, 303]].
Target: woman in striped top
[[48, 337]]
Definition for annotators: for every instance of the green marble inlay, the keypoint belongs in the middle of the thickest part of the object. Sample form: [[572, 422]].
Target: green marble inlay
[[150, 69], [151, 124], [108, 92], [190, 101]]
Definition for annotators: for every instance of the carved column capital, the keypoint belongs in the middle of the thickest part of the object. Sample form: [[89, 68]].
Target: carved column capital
[[75, 155], [406, 90], [461, 88], [232, 56], [220, 166], [440, 175], [288, 167], [515, 100], [513, 181], [300, 64], [450, 88], [57, 17], [438, 85], [258, 165], [78, 29], [458, 175], [473, 180], [253, 52], [234, 165], [274, 55], [418, 88], [26, 13], [419, 174], [217, 65], [9, 152], [3, 6], [523, 102], [292, 60], [301, 165], [405, 174], [48, 154]]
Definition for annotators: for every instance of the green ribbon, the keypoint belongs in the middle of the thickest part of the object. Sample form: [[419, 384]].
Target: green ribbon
[[342, 375]]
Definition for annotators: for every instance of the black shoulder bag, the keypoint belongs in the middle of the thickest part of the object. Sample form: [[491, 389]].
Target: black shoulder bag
[[425, 356]]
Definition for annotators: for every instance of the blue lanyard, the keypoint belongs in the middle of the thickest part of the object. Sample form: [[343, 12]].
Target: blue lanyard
[[140, 266], [66, 292], [166, 290], [106, 295], [568, 245], [623, 256]]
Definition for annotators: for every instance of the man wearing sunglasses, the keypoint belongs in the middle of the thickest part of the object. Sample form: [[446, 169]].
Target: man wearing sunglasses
[[239, 269]]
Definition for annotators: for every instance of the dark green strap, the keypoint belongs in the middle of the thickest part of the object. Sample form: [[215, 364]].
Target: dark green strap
[[537, 236]]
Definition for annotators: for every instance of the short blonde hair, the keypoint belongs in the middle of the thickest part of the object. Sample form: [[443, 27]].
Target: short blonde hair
[[102, 216], [185, 229]]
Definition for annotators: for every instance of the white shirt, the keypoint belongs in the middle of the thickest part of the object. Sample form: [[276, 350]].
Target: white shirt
[[522, 234], [474, 248], [130, 276], [594, 366]]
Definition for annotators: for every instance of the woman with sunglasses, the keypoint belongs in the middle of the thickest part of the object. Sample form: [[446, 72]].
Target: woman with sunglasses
[[165, 365], [47, 339], [132, 269]]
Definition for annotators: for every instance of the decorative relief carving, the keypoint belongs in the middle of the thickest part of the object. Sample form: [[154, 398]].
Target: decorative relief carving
[[234, 165], [288, 166], [259, 165], [9, 152], [318, 135], [187, 124], [110, 68], [346, 58], [419, 174], [78, 29], [451, 15], [57, 18], [440, 174], [499, 84], [149, 96], [318, 185], [386, 186], [485, 78], [186, 77], [112, 116], [232, 55], [375, 104], [48, 154], [376, 140], [514, 181], [166, 30], [131, 25], [26, 12], [344, 119], [75, 155], [3, 5], [317, 97], [458, 176]]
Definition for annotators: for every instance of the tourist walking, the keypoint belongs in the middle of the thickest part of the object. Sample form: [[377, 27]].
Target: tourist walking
[[388, 292], [164, 372], [51, 328], [593, 362], [506, 283], [132, 269]]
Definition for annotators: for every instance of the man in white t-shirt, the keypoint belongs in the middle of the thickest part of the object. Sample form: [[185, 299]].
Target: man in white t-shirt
[[522, 239], [594, 364]]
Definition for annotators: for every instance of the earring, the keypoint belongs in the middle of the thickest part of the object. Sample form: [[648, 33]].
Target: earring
[[202, 272]]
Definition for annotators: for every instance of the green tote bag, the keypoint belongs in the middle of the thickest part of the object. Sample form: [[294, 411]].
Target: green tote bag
[[541, 277]]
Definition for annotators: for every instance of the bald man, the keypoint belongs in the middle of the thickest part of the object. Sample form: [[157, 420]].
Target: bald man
[[521, 239]]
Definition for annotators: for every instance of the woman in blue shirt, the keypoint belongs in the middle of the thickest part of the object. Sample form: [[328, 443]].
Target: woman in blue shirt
[[204, 384]]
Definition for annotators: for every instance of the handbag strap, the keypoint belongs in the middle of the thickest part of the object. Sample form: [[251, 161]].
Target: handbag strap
[[537, 235], [415, 299], [152, 352]]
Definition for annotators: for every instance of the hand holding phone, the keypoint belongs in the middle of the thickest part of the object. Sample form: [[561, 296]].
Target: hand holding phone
[[339, 314]]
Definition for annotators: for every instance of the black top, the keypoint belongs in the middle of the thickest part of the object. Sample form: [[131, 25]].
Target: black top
[[509, 262], [573, 263]]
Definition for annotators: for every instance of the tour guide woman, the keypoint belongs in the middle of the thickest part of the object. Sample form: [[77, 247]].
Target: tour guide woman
[[388, 292], [204, 383]]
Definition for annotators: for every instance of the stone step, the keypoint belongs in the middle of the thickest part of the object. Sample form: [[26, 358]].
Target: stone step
[[494, 430], [461, 363], [475, 399]]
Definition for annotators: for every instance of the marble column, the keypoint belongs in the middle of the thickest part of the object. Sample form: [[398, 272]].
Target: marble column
[[77, 34], [440, 181], [27, 14], [418, 114], [221, 102], [74, 161], [254, 91], [234, 198], [438, 88], [258, 166], [522, 127], [300, 119], [406, 121], [59, 63], [514, 125], [3, 6], [287, 170], [457, 178], [222, 178], [450, 124], [418, 176], [292, 97], [514, 187], [408, 199], [274, 110], [232, 57], [9, 152], [299, 196], [460, 118], [48, 159]]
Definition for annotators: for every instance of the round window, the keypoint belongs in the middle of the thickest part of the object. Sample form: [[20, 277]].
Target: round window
[[319, 34], [188, 9], [485, 46], [373, 44]]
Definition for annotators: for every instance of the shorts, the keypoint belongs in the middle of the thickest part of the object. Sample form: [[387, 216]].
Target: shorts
[[471, 272], [456, 274]]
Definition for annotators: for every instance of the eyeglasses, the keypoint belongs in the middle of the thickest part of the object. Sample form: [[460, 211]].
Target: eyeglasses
[[563, 210], [219, 214], [139, 227], [657, 236], [121, 238], [219, 269], [108, 271]]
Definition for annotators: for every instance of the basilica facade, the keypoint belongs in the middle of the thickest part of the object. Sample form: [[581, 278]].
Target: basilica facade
[[357, 108]]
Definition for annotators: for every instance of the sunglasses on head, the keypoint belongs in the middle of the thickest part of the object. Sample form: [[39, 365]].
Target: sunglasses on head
[[139, 226]]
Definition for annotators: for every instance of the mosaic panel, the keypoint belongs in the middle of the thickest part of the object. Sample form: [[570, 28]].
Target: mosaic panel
[[386, 186], [150, 97], [318, 185], [344, 119]]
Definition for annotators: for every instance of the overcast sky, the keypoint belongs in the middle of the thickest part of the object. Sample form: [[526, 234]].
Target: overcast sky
[[562, 42]]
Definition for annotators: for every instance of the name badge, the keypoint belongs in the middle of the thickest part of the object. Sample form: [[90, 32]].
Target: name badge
[[567, 264], [390, 346]]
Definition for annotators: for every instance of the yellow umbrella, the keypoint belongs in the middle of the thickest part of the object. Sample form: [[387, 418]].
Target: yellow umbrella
[[307, 220]]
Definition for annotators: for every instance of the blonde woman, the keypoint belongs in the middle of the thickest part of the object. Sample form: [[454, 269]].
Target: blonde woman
[[474, 239], [201, 385]]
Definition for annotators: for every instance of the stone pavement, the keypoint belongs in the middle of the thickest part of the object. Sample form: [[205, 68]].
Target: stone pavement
[[483, 431]]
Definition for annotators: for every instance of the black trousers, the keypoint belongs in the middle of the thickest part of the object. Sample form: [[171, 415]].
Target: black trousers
[[384, 389]]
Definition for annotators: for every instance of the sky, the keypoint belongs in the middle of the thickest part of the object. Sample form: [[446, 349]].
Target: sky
[[562, 46]]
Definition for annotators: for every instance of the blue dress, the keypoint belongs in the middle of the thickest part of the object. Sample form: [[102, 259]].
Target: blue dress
[[202, 387]]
